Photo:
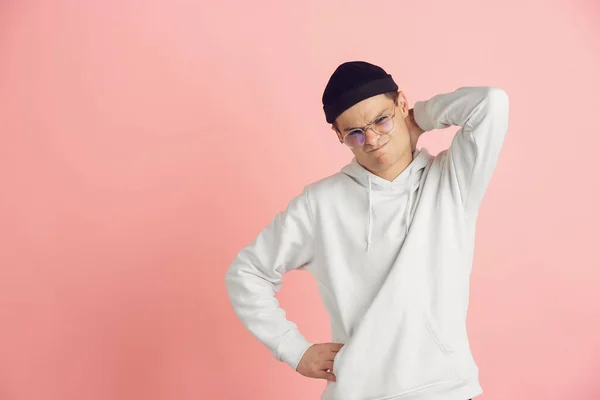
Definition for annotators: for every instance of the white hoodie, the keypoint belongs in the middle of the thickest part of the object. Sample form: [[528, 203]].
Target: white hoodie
[[392, 261]]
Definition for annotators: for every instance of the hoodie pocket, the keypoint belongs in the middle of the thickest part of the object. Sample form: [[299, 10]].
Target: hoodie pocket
[[336, 359], [393, 355], [434, 331]]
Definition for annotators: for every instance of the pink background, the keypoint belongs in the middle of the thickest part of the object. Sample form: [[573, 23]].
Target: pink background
[[145, 142]]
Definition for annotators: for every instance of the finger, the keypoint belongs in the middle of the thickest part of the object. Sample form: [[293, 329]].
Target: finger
[[326, 375], [335, 347], [328, 364]]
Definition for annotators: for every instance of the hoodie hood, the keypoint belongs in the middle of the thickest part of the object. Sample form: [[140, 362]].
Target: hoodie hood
[[409, 181]]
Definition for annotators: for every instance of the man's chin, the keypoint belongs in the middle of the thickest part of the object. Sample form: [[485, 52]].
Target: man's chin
[[380, 161]]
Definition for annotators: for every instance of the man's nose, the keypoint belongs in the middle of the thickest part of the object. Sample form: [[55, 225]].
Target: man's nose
[[371, 138]]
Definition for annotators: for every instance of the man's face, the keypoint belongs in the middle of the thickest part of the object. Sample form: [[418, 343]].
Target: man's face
[[379, 152]]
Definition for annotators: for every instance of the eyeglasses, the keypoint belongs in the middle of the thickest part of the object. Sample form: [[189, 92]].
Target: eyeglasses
[[382, 126]]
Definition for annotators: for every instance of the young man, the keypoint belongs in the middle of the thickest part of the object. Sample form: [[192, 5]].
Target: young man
[[389, 240]]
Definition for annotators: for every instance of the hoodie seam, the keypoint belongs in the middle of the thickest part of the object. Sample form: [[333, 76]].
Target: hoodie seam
[[421, 388], [468, 129], [465, 199], [312, 220], [463, 203]]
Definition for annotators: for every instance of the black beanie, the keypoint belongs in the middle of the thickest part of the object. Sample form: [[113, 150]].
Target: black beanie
[[352, 82]]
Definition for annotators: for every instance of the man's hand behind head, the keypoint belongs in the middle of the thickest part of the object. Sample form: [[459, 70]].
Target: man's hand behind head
[[414, 129]]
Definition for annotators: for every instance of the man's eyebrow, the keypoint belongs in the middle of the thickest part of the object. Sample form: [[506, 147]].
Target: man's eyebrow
[[360, 127]]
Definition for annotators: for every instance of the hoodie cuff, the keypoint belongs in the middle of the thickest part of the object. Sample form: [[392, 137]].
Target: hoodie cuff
[[421, 117], [294, 348]]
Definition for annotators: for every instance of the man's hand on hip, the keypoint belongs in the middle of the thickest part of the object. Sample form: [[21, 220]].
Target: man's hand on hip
[[317, 361]]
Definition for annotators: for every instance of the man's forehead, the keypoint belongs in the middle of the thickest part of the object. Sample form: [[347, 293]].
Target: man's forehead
[[364, 112]]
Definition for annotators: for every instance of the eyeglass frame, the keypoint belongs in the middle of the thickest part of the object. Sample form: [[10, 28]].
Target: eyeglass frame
[[370, 126]]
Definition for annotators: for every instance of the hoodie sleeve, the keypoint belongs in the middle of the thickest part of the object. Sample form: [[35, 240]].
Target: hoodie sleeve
[[482, 114], [256, 274]]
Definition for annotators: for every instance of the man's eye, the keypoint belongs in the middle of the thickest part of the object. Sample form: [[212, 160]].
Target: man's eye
[[355, 133], [381, 120]]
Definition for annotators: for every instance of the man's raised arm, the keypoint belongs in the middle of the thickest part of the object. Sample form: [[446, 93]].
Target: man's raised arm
[[482, 114]]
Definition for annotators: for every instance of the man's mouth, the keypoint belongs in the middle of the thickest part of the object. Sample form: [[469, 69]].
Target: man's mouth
[[380, 147]]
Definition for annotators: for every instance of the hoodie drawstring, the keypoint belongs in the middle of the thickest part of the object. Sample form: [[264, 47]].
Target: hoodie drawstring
[[407, 213], [362, 177], [370, 206]]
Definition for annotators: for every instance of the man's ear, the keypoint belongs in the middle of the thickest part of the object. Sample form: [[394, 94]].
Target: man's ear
[[339, 135], [403, 104]]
